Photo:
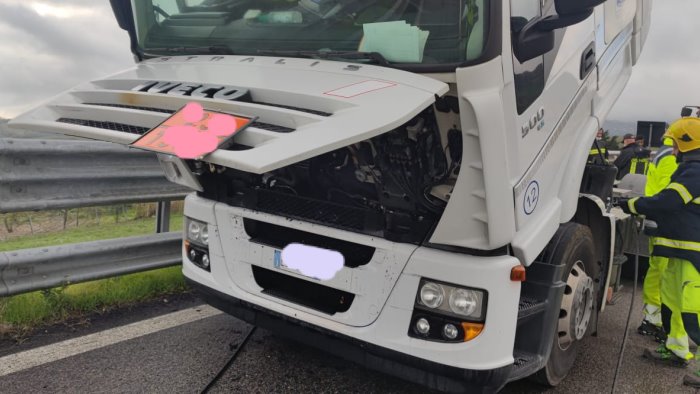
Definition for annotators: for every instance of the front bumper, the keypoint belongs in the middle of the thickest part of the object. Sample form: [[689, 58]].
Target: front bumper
[[427, 373]]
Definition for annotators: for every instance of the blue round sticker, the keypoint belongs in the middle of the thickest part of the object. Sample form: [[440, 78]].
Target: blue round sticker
[[532, 196]]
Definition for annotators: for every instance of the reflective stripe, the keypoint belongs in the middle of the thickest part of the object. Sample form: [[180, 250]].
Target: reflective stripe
[[676, 244], [696, 201], [662, 153], [633, 166], [630, 205], [596, 151], [682, 191], [680, 347]]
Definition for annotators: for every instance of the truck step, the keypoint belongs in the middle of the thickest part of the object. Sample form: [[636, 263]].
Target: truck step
[[528, 307], [525, 364]]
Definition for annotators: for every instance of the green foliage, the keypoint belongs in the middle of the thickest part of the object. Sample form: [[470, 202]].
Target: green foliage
[[90, 233], [23, 312], [50, 306]]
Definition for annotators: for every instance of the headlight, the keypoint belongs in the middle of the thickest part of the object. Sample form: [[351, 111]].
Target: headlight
[[432, 295], [204, 235], [193, 231], [463, 302], [453, 300], [197, 232]]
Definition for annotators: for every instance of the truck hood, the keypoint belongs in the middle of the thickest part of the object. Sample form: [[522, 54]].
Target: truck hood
[[305, 107]]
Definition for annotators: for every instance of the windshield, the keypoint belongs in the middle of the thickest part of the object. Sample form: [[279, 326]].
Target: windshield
[[429, 32]]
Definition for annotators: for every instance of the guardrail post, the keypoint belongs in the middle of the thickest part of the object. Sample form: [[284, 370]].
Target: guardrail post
[[163, 217]]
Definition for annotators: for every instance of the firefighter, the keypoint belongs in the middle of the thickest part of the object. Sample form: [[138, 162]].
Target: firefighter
[[676, 209], [640, 161], [658, 177], [627, 153], [599, 153]]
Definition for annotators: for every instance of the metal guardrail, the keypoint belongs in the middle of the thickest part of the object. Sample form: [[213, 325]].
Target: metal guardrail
[[43, 268], [38, 174]]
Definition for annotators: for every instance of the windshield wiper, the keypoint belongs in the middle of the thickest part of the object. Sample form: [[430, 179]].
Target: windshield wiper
[[330, 55], [203, 50]]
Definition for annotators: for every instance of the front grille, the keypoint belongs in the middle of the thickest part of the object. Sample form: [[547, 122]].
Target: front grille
[[309, 294], [125, 128], [151, 109], [236, 146], [308, 111], [319, 211], [260, 125], [279, 237], [272, 127]]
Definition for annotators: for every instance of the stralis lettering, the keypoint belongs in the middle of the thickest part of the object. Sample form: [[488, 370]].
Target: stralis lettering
[[218, 92]]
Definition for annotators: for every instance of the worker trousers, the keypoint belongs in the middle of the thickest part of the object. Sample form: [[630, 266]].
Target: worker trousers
[[680, 298], [652, 287]]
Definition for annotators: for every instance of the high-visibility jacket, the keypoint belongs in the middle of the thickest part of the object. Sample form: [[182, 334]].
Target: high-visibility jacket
[[676, 210], [624, 160], [660, 171], [639, 165], [598, 154]]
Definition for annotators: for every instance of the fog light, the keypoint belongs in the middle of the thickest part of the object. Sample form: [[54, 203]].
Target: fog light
[[205, 261], [432, 295], [193, 255], [450, 331], [422, 326]]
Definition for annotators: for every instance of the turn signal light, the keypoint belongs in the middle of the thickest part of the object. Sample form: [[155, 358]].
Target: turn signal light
[[517, 273], [472, 330]]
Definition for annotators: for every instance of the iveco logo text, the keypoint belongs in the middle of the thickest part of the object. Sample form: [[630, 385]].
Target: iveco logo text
[[536, 122], [218, 92]]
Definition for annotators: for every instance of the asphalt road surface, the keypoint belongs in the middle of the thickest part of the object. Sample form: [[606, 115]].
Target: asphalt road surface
[[178, 346]]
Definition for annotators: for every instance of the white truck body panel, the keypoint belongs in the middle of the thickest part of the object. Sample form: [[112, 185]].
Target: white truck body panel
[[356, 97], [231, 274]]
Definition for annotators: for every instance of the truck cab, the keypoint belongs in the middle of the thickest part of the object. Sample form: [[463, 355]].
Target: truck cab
[[437, 149]]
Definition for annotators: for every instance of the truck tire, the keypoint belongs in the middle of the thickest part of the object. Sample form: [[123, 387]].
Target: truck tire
[[573, 246]]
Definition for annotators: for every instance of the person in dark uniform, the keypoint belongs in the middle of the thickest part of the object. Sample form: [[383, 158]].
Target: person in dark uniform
[[599, 151], [676, 210], [628, 152]]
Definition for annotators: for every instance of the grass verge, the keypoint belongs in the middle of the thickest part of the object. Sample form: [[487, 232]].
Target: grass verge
[[20, 314]]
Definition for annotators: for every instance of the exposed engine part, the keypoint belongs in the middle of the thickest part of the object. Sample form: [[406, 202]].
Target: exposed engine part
[[442, 192], [454, 146], [384, 186]]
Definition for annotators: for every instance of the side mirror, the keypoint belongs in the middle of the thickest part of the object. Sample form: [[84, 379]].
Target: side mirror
[[530, 41], [122, 13], [573, 7], [537, 37], [686, 111]]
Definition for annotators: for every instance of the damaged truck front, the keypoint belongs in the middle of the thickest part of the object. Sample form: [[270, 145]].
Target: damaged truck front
[[439, 147]]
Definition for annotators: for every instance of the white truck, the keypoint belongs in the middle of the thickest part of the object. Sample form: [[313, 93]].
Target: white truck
[[439, 146]]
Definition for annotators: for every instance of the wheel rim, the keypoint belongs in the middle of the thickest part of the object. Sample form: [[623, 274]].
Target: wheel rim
[[576, 307]]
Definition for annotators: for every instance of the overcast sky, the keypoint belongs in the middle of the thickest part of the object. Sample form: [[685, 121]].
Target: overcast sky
[[47, 47]]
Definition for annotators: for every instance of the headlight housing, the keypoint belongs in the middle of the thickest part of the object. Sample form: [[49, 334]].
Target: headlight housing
[[197, 232], [452, 300]]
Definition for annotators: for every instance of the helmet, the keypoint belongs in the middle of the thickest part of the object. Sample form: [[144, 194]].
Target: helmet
[[685, 132]]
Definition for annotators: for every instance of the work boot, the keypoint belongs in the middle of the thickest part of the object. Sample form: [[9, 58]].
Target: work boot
[[666, 357], [660, 336], [692, 379], [649, 329]]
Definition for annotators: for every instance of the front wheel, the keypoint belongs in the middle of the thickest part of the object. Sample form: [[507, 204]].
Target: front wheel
[[573, 246]]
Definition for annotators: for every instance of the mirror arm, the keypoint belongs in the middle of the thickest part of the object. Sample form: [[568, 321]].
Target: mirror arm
[[554, 22]]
